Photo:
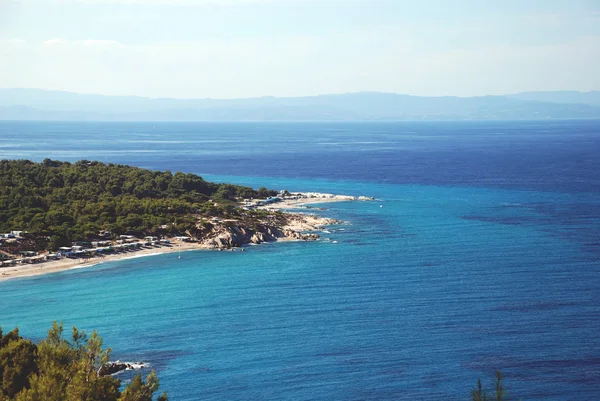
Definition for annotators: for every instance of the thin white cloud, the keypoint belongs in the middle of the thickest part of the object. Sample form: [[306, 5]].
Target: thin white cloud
[[100, 42], [12, 41], [85, 42], [52, 42]]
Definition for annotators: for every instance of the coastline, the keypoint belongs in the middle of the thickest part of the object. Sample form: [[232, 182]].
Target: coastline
[[55, 266], [295, 224], [310, 198]]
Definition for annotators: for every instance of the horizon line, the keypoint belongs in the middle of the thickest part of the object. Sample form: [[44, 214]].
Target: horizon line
[[299, 96]]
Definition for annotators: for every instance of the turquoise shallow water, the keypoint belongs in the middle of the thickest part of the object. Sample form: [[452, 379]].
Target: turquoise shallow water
[[417, 298], [417, 295]]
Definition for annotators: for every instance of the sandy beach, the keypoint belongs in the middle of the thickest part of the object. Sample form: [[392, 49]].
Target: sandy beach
[[297, 222], [54, 266], [309, 198]]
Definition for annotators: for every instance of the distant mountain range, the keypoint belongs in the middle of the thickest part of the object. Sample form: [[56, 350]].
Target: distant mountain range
[[37, 104]]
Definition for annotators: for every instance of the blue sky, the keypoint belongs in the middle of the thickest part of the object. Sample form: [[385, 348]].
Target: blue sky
[[246, 48]]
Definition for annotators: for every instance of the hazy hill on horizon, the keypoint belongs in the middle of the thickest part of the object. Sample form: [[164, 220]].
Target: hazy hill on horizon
[[567, 97], [38, 104]]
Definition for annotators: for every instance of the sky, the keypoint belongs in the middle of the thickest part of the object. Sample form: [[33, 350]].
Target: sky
[[250, 48]]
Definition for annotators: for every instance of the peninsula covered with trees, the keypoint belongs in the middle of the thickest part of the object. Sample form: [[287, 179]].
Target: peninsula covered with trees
[[56, 210], [74, 201]]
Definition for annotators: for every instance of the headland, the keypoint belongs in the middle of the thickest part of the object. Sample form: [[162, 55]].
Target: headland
[[264, 220]]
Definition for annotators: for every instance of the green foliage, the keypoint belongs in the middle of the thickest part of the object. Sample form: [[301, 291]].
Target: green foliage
[[480, 394], [137, 390], [17, 363], [73, 201], [64, 370], [226, 192], [265, 193]]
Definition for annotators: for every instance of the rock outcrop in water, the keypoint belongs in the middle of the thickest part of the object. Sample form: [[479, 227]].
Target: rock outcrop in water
[[117, 366]]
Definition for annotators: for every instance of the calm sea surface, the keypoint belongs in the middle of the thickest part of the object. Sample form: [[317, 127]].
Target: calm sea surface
[[482, 252]]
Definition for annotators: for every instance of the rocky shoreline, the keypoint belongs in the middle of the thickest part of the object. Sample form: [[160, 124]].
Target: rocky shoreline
[[229, 234], [268, 223], [218, 235], [276, 224]]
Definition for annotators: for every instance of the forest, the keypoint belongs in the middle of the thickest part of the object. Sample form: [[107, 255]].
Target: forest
[[64, 202]]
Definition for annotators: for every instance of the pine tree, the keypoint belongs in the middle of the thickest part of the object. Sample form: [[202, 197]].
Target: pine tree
[[64, 370], [479, 394]]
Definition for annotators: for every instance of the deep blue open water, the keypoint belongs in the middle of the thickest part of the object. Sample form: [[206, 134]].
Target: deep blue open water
[[482, 252]]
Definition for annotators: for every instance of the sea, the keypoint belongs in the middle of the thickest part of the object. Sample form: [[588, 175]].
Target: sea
[[480, 252]]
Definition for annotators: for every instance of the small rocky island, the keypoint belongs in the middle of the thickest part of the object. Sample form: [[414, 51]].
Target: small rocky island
[[115, 367]]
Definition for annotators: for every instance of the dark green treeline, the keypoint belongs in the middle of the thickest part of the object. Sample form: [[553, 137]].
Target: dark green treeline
[[74, 201]]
